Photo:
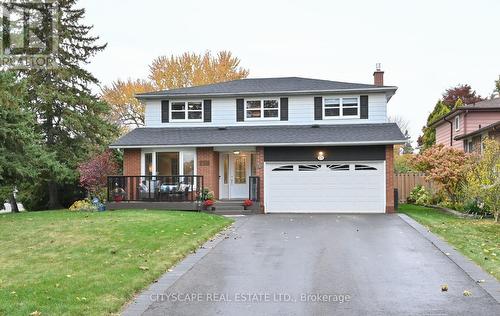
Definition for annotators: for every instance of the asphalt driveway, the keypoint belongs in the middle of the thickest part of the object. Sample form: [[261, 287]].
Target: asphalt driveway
[[324, 264]]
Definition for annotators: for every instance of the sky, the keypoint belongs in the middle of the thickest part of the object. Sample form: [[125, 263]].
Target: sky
[[424, 46]]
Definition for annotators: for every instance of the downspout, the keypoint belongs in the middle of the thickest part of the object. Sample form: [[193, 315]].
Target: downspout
[[451, 131]]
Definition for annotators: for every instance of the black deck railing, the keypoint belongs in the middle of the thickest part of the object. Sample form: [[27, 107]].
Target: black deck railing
[[181, 188], [254, 188]]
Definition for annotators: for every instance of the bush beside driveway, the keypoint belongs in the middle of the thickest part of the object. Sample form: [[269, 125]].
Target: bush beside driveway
[[83, 263], [478, 239]]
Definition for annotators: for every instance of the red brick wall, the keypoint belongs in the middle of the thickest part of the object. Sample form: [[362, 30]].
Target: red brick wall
[[207, 161], [389, 179], [260, 173], [132, 162]]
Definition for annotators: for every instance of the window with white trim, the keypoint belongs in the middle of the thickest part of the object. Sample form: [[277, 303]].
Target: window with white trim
[[181, 111], [341, 107], [266, 109], [457, 123]]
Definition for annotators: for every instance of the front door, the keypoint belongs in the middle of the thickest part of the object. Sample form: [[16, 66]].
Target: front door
[[235, 170]]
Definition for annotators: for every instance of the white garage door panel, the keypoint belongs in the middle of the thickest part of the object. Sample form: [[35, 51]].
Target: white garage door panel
[[325, 190]]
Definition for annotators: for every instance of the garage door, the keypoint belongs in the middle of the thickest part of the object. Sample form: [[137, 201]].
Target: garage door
[[350, 187]]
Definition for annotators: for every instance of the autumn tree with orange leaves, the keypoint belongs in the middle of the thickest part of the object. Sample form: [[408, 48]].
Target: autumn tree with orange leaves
[[169, 72], [445, 166]]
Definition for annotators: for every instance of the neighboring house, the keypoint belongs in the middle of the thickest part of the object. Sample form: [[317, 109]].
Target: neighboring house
[[289, 144], [465, 127]]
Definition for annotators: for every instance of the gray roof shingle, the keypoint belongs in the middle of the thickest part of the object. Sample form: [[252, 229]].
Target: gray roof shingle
[[387, 133], [290, 85]]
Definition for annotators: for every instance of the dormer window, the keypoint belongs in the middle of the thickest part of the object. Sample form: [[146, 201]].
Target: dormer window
[[190, 111], [262, 109], [457, 123], [341, 108]]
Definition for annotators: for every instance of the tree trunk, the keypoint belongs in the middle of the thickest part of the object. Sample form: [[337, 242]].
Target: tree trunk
[[53, 196], [13, 204]]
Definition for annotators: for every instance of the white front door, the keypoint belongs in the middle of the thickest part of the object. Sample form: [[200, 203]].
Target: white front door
[[234, 173]]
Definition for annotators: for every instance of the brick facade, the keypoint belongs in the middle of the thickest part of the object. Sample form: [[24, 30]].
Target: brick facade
[[132, 162], [207, 161], [260, 173], [389, 178]]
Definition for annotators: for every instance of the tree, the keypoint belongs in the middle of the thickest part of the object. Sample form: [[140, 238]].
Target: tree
[[71, 119], [191, 69], [93, 173], [428, 137], [22, 157], [461, 92], [126, 109], [483, 179], [445, 166], [496, 90]]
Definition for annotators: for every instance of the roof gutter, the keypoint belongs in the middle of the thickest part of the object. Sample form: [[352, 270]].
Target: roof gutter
[[272, 93], [382, 142]]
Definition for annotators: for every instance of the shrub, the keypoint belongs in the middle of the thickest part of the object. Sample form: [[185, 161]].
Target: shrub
[[483, 179], [474, 206], [93, 173], [446, 167], [83, 205], [420, 196]]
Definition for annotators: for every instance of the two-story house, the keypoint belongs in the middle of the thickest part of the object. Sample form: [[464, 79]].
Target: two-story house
[[289, 144], [465, 127]]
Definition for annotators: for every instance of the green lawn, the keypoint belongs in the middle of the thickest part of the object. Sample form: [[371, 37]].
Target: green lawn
[[76, 263], [478, 239]]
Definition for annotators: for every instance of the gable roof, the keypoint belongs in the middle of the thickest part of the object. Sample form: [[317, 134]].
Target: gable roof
[[482, 106], [267, 86], [300, 135]]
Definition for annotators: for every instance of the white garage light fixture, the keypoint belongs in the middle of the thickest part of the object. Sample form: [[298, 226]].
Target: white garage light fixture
[[236, 152], [321, 156]]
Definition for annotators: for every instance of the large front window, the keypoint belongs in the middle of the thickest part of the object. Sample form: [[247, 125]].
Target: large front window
[[167, 164], [186, 111], [262, 109], [341, 107]]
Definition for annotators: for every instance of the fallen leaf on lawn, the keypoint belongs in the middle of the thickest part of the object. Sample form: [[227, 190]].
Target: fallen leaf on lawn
[[57, 284], [143, 268], [35, 313], [467, 293], [444, 287], [13, 292], [68, 275]]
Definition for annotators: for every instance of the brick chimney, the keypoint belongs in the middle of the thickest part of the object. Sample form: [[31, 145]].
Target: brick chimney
[[378, 75]]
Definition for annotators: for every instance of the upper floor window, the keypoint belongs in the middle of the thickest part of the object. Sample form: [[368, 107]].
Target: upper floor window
[[457, 123], [341, 107], [268, 109], [186, 111]]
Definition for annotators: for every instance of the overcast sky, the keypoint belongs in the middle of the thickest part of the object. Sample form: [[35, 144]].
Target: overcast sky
[[424, 46]]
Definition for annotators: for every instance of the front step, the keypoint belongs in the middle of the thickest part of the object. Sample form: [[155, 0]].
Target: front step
[[229, 207]]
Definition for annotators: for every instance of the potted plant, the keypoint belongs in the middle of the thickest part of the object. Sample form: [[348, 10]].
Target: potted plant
[[208, 205], [247, 203], [118, 194]]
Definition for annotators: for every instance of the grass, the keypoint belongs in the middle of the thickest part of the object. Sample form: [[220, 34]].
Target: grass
[[478, 239], [78, 263]]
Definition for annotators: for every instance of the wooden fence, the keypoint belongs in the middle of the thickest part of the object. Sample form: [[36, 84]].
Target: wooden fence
[[405, 182]]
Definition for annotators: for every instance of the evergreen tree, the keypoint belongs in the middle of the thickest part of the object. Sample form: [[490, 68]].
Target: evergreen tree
[[428, 137], [70, 116], [22, 157]]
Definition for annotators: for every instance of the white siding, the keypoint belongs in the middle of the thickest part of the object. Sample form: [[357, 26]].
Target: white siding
[[300, 112]]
